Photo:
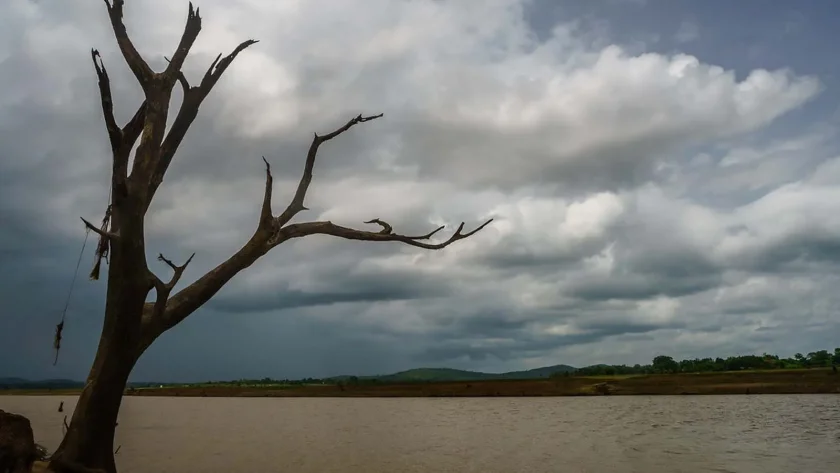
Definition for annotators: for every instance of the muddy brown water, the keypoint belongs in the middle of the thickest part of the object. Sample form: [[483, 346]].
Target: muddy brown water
[[645, 434]]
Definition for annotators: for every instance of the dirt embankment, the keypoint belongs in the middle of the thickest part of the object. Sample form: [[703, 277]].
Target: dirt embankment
[[813, 381]]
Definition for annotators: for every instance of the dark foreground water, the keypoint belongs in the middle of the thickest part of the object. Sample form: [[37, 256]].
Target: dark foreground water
[[745, 434]]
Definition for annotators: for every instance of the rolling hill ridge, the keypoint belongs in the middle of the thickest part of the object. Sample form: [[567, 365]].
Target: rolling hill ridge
[[449, 374]]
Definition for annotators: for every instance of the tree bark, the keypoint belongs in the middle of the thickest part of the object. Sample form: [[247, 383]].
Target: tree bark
[[88, 444], [89, 441], [90, 438]]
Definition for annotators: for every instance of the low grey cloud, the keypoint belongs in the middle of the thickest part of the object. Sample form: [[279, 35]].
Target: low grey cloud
[[666, 196]]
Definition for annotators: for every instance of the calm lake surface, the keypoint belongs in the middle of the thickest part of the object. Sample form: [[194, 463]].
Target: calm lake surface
[[744, 434]]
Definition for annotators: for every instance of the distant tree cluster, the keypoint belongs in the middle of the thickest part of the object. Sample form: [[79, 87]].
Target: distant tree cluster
[[667, 364], [660, 364]]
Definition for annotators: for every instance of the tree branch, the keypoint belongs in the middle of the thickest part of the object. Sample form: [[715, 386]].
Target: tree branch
[[99, 231], [193, 97], [298, 230], [296, 205], [136, 63], [121, 139], [187, 300], [219, 65], [191, 30], [128, 136], [162, 289], [387, 229], [132, 129], [185, 84], [158, 317], [114, 131], [178, 270], [266, 217]]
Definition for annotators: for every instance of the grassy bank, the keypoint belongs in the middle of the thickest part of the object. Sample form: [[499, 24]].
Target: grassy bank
[[803, 381], [811, 381]]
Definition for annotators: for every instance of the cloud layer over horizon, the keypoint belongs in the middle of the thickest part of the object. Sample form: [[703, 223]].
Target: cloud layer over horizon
[[661, 182]]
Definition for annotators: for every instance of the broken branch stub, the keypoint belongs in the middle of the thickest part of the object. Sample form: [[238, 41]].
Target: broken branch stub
[[191, 31], [387, 229], [135, 61]]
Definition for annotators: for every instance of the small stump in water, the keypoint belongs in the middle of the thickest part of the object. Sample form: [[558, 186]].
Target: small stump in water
[[17, 443]]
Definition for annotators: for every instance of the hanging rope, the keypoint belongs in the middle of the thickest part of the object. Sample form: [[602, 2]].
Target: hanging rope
[[60, 326], [101, 252]]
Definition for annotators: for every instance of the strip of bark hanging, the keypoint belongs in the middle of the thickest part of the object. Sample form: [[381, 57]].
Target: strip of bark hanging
[[57, 342], [102, 248]]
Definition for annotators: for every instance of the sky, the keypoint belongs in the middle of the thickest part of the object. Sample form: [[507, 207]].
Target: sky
[[664, 178]]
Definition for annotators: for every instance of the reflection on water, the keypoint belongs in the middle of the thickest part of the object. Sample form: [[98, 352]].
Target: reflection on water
[[744, 434]]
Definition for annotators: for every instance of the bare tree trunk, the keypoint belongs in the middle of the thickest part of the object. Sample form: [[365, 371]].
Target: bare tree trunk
[[90, 437]]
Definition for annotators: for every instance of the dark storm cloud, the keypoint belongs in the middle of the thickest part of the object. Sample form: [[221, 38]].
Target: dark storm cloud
[[801, 251], [455, 350], [674, 278], [343, 286]]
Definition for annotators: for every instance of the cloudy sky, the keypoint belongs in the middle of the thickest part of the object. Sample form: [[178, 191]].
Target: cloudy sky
[[664, 178]]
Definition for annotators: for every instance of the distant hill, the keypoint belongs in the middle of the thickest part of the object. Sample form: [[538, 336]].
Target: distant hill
[[21, 383], [449, 374], [414, 375]]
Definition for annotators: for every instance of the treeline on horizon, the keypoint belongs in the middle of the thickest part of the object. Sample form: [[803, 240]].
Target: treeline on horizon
[[663, 364]]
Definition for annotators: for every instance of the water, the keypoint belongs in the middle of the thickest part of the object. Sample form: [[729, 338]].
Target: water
[[672, 434]]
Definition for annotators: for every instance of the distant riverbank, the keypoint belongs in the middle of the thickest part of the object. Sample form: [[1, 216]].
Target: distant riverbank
[[810, 381]]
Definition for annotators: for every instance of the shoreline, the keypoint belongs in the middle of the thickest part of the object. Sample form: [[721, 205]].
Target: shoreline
[[806, 381]]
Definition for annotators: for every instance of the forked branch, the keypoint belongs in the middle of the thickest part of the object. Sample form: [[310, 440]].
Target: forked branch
[[298, 230], [219, 65], [121, 139], [193, 97], [131, 131], [162, 289], [185, 84], [271, 232], [178, 271], [296, 205]]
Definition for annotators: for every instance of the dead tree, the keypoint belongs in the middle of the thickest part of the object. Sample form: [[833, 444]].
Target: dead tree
[[131, 324]]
